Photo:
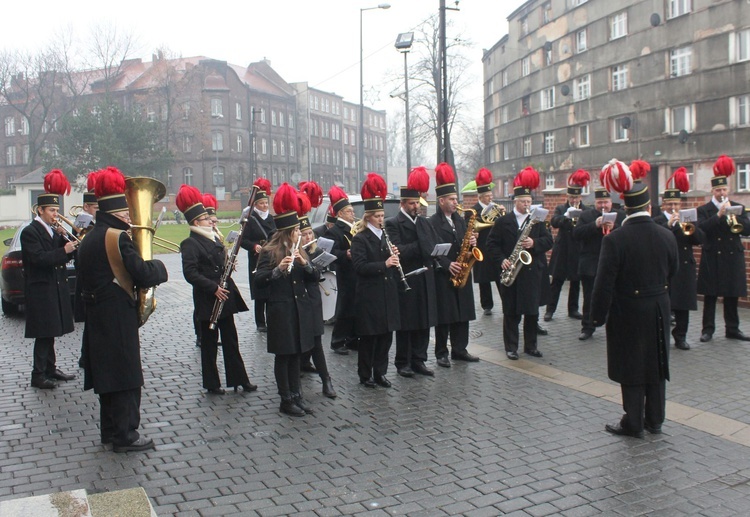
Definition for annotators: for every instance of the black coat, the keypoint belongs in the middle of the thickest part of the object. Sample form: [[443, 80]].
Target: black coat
[[48, 309], [111, 346], [563, 264], [485, 271], [415, 242], [589, 238], [637, 263], [346, 278], [722, 268], [202, 266], [376, 305], [455, 305], [257, 232], [313, 291], [524, 295], [290, 313], [682, 289]]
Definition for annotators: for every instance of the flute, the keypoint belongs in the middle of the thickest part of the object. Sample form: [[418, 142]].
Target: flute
[[295, 247], [404, 283]]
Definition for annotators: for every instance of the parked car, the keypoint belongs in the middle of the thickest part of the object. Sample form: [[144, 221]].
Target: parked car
[[11, 277]]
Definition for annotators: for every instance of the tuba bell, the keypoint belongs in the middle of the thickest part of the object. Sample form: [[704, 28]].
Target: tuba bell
[[141, 194], [489, 214]]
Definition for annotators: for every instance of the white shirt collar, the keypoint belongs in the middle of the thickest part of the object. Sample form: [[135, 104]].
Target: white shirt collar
[[637, 214], [46, 226], [716, 203], [377, 231], [350, 225], [412, 219], [263, 214]]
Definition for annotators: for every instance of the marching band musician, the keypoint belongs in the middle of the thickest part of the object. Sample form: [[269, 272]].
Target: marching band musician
[[259, 229], [415, 239], [203, 263], [211, 204], [376, 303], [90, 206], [45, 252], [111, 271], [485, 273], [343, 337], [565, 251], [319, 365], [319, 231], [456, 307], [682, 289], [521, 298], [722, 267], [589, 232], [284, 268]]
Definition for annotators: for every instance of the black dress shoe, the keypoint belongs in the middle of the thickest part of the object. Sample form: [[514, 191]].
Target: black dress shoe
[[585, 335], [405, 371], [106, 440], [681, 344], [328, 390], [44, 384], [513, 356], [548, 316], [576, 315], [421, 369], [141, 444], [309, 368], [706, 337], [368, 383], [443, 361], [380, 380], [533, 353], [60, 376], [464, 356], [246, 387], [341, 351], [488, 312], [301, 403], [541, 330], [619, 430], [737, 334], [652, 429], [288, 407], [216, 391], [262, 328]]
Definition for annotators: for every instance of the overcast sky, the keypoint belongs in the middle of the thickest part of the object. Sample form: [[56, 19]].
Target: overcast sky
[[305, 40]]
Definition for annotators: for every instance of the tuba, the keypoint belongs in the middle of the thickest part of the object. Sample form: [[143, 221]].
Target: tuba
[[141, 194], [489, 215]]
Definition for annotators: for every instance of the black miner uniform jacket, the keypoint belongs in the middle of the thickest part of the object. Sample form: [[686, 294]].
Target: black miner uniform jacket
[[485, 271], [563, 264], [682, 289], [257, 231], [589, 238], [346, 279]]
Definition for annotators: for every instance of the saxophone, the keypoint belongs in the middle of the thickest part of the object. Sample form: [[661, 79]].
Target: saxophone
[[468, 254], [519, 258]]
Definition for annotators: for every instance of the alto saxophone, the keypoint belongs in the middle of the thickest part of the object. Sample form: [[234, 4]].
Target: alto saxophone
[[468, 254], [519, 257]]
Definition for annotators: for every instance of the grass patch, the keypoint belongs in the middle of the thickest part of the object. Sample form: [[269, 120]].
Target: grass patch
[[179, 232], [6, 233]]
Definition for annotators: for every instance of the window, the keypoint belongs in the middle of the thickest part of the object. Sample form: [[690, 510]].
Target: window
[[549, 181], [743, 176], [217, 141], [10, 126], [273, 118], [282, 148], [583, 136], [185, 110], [346, 136], [505, 78], [525, 66], [546, 13], [526, 105], [187, 144], [187, 174], [678, 8], [169, 178], [581, 41], [739, 111], [239, 143], [527, 146], [238, 111], [524, 23], [620, 127], [549, 142], [681, 118], [579, 2], [291, 122], [150, 114], [262, 115], [619, 77], [25, 150], [281, 119], [618, 25], [218, 176], [582, 88], [10, 155], [504, 114], [274, 148], [547, 54], [216, 108], [24, 130], [680, 60], [739, 46], [548, 98], [291, 148], [506, 151]]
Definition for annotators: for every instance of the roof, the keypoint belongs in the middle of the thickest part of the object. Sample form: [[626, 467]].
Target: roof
[[34, 177]]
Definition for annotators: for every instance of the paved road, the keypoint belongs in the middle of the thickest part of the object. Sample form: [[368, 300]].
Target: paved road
[[497, 437]]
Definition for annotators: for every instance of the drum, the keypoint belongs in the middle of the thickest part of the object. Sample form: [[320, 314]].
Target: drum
[[328, 294]]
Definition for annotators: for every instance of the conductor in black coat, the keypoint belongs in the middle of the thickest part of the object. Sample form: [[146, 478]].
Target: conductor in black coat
[[722, 267], [631, 293], [49, 314], [589, 232], [203, 262]]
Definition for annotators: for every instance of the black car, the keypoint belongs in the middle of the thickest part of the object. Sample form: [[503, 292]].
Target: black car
[[11, 279]]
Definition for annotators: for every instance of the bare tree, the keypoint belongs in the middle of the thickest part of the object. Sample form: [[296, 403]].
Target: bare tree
[[470, 155], [109, 48]]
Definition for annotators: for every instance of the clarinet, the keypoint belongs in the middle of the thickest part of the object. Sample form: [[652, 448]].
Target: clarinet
[[404, 283], [231, 259]]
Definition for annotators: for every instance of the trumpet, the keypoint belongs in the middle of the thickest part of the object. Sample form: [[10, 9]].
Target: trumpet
[[294, 249], [402, 279], [688, 228], [734, 225]]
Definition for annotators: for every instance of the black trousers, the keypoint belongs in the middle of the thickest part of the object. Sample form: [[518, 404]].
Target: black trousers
[[318, 358], [682, 319], [510, 331], [459, 336], [643, 404], [372, 359], [731, 316], [485, 294], [556, 286], [411, 347], [120, 416], [588, 288], [343, 332], [234, 366], [44, 358], [286, 371], [260, 312]]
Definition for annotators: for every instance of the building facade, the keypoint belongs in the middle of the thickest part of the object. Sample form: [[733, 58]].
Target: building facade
[[576, 83]]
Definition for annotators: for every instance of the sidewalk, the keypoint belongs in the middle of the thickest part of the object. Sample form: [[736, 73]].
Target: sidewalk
[[496, 437]]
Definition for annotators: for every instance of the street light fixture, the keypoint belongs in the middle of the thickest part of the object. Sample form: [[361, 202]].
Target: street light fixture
[[403, 45], [361, 139]]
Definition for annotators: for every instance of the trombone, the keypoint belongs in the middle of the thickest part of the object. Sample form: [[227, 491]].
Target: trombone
[[68, 235]]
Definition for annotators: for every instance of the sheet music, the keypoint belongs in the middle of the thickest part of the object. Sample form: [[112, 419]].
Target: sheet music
[[609, 217], [325, 244], [441, 249], [83, 220], [689, 215], [539, 214], [573, 213], [734, 210], [231, 237], [324, 259]]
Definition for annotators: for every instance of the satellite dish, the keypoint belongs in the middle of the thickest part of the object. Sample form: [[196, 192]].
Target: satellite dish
[[565, 90], [548, 46], [626, 122], [682, 136], [655, 20]]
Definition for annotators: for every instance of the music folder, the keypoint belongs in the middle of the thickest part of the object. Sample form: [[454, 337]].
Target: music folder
[[324, 259], [609, 217], [441, 249], [689, 215], [324, 244]]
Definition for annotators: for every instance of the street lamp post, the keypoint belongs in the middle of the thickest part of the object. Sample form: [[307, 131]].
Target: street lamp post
[[403, 44], [361, 139]]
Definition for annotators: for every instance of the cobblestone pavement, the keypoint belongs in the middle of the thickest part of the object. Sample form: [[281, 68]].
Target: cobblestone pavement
[[490, 438]]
